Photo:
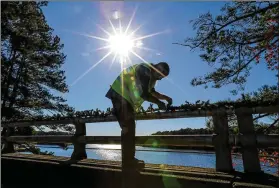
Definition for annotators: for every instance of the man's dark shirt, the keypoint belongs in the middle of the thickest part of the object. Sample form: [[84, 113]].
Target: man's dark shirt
[[143, 73]]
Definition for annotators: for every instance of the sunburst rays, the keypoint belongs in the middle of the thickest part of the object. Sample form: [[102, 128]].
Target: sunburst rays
[[92, 67], [121, 42]]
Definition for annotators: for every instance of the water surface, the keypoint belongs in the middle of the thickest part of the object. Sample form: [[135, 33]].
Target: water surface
[[155, 156]]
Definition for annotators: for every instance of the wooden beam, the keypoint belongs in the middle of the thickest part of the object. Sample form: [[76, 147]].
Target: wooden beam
[[221, 143], [200, 140], [41, 139], [79, 152], [248, 141], [164, 140], [149, 116], [262, 141], [6, 146]]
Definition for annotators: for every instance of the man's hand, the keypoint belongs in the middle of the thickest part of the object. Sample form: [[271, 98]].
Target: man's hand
[[162, 97], [162, 105]]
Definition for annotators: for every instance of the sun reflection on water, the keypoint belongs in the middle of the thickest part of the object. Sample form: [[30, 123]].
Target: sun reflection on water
[[105, 146]]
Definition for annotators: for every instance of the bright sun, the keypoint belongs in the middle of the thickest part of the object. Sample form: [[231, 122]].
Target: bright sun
[[121, 43]]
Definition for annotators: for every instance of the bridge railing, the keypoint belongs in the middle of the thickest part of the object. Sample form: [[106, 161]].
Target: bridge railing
[[220, 140]]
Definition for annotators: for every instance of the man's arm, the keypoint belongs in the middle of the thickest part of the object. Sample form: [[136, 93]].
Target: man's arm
[[144, 74], [161, 96], [150, 98]]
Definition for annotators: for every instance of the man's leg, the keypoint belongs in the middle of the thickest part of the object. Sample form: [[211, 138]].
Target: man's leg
[[128, 143], [126, 118]]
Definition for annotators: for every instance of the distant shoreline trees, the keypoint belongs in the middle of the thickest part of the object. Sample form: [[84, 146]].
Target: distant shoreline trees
[[260, 128]]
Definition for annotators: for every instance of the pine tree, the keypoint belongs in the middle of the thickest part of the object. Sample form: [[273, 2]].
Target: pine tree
[[31, 61]]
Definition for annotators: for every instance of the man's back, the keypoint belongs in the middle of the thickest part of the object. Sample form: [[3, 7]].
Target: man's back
[[143, 75]]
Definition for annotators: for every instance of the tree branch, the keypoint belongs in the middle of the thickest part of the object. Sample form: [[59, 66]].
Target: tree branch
[[182, 44], [237, 19], [277, 120], [246, 64], [260, 38], [260, 116]]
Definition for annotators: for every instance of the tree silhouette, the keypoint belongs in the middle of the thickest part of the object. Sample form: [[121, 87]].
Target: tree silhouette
[[245, 32], [31, 61]]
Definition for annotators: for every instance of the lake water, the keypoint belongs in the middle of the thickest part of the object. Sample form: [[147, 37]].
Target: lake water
[[154, 156]]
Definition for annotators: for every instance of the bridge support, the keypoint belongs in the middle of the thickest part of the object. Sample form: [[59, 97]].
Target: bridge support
[[7, 147], [248, 140], [221, 143], [79, 152]]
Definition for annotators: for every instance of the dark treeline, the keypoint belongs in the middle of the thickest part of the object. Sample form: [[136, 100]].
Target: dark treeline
[[187, 131], [259, 129]]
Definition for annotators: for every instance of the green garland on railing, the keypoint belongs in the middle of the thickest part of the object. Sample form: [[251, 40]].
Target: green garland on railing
[[187, 107]]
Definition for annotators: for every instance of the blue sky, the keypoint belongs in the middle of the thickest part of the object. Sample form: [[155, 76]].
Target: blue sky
[[69, 18]]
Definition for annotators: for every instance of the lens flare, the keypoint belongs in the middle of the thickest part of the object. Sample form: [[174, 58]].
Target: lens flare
[[121, 43]]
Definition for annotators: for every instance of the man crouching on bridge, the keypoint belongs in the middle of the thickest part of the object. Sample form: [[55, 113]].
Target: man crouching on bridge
[[131, 88]]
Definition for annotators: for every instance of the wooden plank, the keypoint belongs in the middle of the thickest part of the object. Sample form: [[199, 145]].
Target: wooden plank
[[248, 141], [198, 140], [201, 174], [264, 141], [41, 139], [193, 174], [162, 115], [164, 140], [221, 143]]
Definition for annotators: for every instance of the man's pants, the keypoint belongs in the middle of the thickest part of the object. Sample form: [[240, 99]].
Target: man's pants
[[126, 117]]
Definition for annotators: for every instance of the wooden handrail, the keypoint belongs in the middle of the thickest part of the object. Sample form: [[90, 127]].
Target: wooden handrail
[[220, 140], [148, 116], [160, 140], [142, 140]]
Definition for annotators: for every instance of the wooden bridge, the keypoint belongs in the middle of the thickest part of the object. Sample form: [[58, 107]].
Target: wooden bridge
[[29, 169]]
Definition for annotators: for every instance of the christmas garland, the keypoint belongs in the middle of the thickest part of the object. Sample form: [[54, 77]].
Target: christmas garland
[[187, 107]]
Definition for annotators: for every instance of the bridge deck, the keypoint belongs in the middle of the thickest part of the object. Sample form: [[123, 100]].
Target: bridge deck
[[204, 177]]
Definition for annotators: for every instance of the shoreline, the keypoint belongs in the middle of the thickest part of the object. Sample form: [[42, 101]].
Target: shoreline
[[179, 147]]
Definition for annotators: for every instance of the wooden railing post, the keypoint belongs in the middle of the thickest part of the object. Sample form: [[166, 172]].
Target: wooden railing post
[[221, 142], [7, 147], [79, 152], [248, 140]]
